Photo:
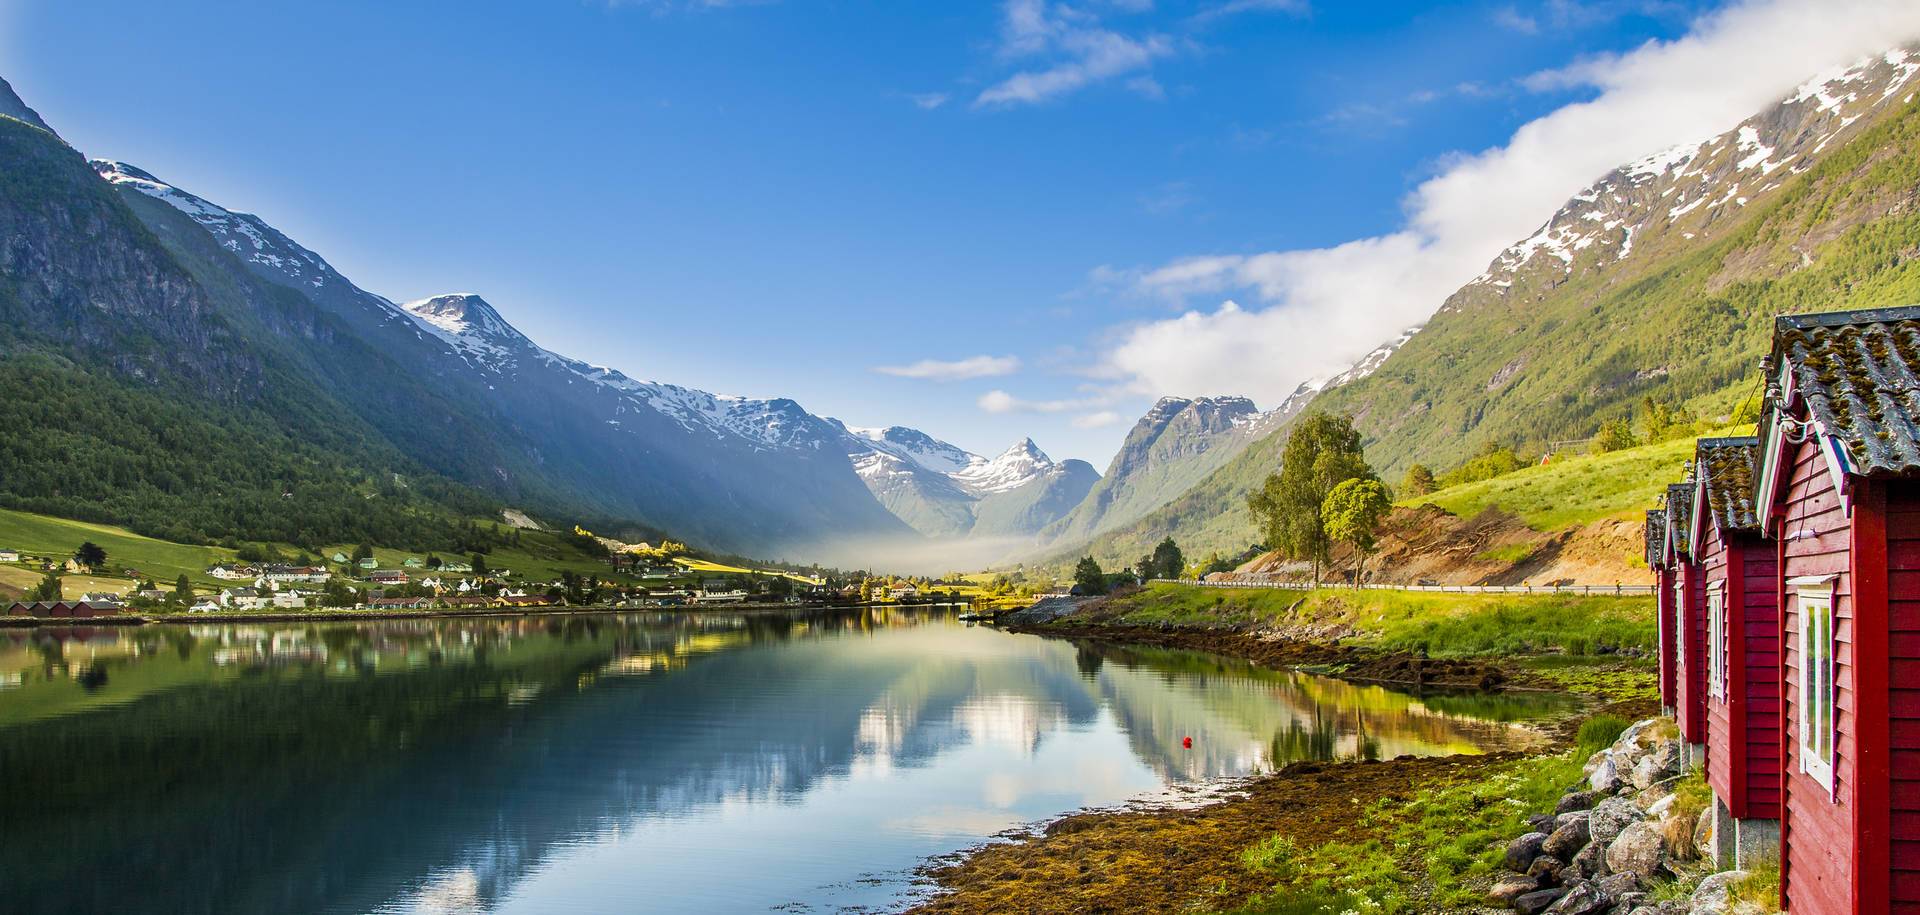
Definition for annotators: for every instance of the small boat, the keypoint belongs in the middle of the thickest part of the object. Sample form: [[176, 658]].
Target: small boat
[[971, 617]]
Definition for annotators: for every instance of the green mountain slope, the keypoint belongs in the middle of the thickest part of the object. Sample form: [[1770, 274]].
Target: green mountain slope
[[1659, 281]]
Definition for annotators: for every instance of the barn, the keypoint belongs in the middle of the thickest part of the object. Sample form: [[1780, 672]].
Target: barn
[[1656, 530], [1688, 597], [1741, 663], [1839, 491]]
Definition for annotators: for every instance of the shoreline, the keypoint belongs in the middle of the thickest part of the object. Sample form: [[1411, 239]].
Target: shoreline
[[345, 615], [1145, 858]]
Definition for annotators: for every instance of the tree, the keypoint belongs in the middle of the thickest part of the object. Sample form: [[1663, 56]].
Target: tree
[[1615, 434], [479, 564], [363, 551], [1167, 560], [183, 589], [1419, 481], [1088, 577], [49, 587], [91, 555], [1351, 514], [1144, 568], [1322, 452]]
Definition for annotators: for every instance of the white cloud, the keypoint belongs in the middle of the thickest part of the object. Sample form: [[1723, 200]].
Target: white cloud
[[1098, 420], [1078, 50], [1002, 402], [927, 101], [1325, 307], [1236, 7], [955, 370]]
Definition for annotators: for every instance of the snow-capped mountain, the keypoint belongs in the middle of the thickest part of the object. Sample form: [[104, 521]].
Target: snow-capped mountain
[[739, 473], [943, 490], [1686, 191]]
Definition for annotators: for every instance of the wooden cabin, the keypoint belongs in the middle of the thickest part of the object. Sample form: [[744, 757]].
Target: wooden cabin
[[1839, 491], [1656, 531], [1689, 596], [1739, 572]]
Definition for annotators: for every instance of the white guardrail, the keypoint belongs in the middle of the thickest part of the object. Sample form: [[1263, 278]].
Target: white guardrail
[[1605, 590]]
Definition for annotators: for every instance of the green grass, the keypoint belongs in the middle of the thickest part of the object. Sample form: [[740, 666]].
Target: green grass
[[1573, 489], [1440, 624], [161, 560], [1434, 850]]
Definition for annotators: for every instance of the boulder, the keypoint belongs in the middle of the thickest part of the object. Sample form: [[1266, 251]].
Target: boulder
[[1546, 869], [1613, 815], [1575, 800], [1591, 862], [1540, 822], [1606, 777], [1655, 804], [1567, 840], [1506, 891], [1537, 901], [1619, 886], [1565, 818], [1583, 898], [1665, 761], [1593, 762], [1522, 851], [1714, 895], [1638, 849]]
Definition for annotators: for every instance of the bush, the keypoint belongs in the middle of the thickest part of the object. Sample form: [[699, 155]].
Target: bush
[[1599, 732]]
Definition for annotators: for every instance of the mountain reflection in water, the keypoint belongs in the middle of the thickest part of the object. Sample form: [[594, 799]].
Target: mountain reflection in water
[[630, 762]]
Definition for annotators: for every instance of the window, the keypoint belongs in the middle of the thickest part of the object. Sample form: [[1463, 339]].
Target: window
[[1815, 676], [1680, 623], [1717, 642]]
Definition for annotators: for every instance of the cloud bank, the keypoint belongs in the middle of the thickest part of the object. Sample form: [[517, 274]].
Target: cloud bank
[[1323, 308]]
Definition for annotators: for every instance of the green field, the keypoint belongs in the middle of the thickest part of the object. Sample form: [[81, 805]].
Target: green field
[[706, 565], [1441, 624], [1576, 489], [40, 535]]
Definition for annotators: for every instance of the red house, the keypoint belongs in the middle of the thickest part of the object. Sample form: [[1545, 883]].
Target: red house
[[1656, 530], [1839, 493], [1739, 571], [1689, 595]]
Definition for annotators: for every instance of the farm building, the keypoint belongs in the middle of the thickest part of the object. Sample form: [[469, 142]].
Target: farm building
[[63, 609], [1688, 599], [1739, 572], [1837, 491], [1656, 531]]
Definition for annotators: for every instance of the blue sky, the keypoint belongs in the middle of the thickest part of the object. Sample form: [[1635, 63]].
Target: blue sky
[[780, 198]]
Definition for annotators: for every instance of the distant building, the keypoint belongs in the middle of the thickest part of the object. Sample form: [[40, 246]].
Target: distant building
[[63, 609], [244, 599], [229, 572], [289, 574], [388, 577], [455, 568], [341, 558], [290, 600], [9, 555], [369, 563], [412, 562], [150, 594]]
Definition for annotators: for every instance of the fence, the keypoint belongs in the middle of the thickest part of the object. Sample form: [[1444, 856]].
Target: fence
[[1605, 590]]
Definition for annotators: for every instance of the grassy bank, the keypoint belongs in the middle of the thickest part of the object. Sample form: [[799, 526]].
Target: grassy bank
[[1598, 646], [1434, 850]]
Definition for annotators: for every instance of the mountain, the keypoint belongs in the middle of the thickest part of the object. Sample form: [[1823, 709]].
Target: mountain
[[1659, 280], [194, 329], [12, 106], [942, 490], [1174, 446]]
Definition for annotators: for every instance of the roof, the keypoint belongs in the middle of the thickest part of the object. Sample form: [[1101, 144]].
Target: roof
[[1679, 515], [1656, 536], [1727, 468], [1858, 373]]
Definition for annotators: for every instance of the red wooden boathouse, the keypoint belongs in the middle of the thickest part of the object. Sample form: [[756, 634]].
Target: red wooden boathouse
[[1688, 597], [1741, 662], [1656, 531], [1839, 492]]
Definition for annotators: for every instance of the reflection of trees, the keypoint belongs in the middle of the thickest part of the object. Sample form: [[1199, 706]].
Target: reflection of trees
[[388, 753]]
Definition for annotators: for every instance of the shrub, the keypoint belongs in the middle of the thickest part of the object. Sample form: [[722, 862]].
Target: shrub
[[1599, 732]]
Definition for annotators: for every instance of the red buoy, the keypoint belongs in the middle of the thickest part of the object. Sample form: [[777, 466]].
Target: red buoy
[[1187, 742]]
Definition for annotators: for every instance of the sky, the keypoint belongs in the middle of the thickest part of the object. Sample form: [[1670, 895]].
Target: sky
[[984, 220]]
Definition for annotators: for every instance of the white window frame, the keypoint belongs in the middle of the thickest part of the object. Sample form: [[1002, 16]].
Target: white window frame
[[1680, 629], [1818, 739], [1717, 640]]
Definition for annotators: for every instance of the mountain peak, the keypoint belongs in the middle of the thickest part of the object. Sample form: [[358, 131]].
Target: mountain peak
[[464, 314], [12, 106]]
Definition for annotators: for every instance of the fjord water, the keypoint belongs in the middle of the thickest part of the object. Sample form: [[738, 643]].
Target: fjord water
[[612, 763]]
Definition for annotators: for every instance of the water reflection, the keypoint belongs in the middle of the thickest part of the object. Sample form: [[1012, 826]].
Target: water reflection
[[656, 762]]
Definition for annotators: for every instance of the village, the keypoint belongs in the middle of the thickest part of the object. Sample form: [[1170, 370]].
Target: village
[[430, 583]]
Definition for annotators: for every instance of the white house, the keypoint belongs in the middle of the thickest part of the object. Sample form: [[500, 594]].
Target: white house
[[233, 572], [9, 555], [733, 596], [244, 599], [290, 600]]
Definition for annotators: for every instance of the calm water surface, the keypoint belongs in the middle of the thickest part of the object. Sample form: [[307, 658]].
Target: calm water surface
[[618, 763]]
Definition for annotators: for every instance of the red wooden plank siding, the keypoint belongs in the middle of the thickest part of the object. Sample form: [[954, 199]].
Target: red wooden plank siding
[[1715, 562], [1759, 669], [1816, 825], [1663, 588], [1692, 667]]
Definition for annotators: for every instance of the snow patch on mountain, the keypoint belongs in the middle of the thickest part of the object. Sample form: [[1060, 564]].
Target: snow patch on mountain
[[245, 235], [1020, 464]]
